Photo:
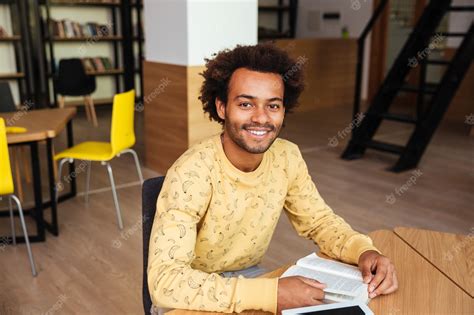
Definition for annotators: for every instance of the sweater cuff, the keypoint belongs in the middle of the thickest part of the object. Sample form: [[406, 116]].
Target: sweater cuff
[[257, 294], [355, 246]]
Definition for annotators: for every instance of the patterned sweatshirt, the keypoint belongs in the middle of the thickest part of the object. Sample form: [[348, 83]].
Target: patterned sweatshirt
[[211, 217]]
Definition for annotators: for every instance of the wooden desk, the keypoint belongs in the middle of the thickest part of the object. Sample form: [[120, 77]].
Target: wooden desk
[[422, 288], [451, 254], [42, 125]]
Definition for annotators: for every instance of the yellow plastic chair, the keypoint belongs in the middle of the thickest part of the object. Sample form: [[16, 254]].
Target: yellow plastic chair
[[122, 138], [7, 189]]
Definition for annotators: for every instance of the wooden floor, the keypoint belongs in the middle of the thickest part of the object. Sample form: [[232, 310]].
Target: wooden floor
[[93, 268]]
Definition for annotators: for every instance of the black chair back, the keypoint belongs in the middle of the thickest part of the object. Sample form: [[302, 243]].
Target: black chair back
[[72, 79], [7, 104], [150, 191]]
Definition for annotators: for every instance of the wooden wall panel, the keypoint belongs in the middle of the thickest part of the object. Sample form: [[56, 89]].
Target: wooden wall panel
[[329, 70], [166, 123], [199, 125]]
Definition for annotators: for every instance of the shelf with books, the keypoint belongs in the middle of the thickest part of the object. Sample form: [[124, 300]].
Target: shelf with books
[[14, 35], [283, 9], [59, 28], [139, 39]]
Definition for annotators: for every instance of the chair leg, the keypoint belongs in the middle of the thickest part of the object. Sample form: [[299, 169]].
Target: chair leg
[[88, 180], [92, 108], [58, 182], [61, 101], [12, 221], [19, 184], [137, 162], [87, 109], [114, 193], [25, 232]]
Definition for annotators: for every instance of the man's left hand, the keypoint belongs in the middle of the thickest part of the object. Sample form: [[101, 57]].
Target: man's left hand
[[385, 279]]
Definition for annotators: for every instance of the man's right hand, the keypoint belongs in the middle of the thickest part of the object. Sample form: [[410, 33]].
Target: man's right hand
[[299, 291]]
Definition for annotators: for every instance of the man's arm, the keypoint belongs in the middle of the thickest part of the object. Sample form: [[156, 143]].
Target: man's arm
[[314, 219], [173, 283]]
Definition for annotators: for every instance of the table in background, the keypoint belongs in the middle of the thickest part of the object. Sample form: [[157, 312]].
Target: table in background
[[42, 125], [423, 289]]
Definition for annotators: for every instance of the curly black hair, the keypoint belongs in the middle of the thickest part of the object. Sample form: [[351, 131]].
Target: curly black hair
[[264, 57]]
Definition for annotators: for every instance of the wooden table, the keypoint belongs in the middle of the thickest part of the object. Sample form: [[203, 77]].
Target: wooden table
[[423, 289], [42, 125], [451, 254]]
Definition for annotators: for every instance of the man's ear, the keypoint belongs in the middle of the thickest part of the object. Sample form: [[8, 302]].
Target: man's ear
[[220, 107]]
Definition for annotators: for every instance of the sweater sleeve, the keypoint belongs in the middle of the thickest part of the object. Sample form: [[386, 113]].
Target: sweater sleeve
[[172, 281], [314, 219]]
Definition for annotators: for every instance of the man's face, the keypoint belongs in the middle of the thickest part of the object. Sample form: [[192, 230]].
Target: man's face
[[254, 111]]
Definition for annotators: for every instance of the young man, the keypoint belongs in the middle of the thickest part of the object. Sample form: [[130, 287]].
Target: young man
[[222, 198]]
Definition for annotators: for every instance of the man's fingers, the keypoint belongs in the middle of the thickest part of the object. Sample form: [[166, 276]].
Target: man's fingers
[[366, 271], [394, 286], [313, 283], [380, 274], [385, 285]]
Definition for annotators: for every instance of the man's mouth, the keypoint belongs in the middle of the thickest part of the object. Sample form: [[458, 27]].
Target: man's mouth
[[259, 133]]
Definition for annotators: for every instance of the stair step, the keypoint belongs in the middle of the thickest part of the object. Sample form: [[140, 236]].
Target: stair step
[[461, 8], [429, 88], [437, 62], [386, 147], [399, 117]]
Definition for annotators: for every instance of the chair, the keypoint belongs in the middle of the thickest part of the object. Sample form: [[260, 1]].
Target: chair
[[72, 80], [7, 105], [150, 191], [122, 138], [7, 189]]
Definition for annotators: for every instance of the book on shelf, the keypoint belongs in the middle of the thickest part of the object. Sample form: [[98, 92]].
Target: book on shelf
[[3, 32], [70, 29], [97, 64], [344, 282]]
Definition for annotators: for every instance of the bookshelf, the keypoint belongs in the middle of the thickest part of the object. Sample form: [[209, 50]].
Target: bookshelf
[[139, 41], [283, 9], [81, 38], [12, 40]]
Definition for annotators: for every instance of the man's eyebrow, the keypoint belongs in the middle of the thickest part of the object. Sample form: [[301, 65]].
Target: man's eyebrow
[[254, 97]]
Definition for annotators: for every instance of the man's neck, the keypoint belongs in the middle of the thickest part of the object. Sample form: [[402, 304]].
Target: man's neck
[[241, 159]]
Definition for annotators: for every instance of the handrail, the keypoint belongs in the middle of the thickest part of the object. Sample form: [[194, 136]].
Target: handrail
[[360, 56]]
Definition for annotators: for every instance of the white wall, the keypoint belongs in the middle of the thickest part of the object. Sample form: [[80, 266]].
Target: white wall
[[459, 22], [184, 32]]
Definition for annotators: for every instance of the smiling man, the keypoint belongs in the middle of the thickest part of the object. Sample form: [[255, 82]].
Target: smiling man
[[222, 199]]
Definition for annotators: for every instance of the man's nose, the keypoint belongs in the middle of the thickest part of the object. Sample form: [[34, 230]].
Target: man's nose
[[260, 116]]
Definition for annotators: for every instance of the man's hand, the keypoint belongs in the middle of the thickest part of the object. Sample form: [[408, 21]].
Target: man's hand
[[299, 291], [385, 279]]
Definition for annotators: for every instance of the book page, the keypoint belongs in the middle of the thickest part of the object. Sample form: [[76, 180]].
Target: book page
[[313, 261], [335, 283]]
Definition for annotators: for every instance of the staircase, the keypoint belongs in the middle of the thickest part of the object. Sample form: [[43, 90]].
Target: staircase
[[430, 110]]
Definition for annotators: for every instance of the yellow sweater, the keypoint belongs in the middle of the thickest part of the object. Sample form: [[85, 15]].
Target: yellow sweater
[[211, 217]]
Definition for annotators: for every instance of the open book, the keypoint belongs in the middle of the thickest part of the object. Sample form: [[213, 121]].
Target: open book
[[344, 282]]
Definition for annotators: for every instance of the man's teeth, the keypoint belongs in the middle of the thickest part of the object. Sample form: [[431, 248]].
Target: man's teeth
[[258, 132]]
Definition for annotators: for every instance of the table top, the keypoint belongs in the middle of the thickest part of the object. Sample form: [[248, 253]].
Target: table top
[[40, 124], [451, 254], [423, 289]]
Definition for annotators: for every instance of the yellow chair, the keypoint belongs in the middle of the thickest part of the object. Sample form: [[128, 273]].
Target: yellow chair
[[122, 138], [7, 189]]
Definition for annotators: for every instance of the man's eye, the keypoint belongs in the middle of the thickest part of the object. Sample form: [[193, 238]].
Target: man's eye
[[245, 105], [274, 106]]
